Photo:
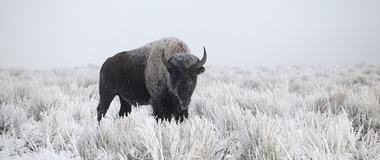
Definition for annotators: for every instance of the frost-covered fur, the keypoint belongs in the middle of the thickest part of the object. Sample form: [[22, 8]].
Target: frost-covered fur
[[139, 76], [155, 68]]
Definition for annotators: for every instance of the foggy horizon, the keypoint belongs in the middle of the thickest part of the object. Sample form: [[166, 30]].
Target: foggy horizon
[[55, 34]]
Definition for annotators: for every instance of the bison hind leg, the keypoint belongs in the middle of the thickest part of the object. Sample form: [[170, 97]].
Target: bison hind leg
[[104, 104], [125, 107]]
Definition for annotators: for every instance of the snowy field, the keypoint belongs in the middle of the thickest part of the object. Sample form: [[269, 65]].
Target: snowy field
[[261, 112]]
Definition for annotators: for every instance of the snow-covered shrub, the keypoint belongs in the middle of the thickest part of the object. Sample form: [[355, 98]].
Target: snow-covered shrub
[[261, 112], [11, 117]]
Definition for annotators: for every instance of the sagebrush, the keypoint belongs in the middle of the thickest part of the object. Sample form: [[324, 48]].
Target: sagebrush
[[261, 112]]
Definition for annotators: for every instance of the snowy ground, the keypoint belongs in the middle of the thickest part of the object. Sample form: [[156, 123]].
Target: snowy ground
[[262, 112]]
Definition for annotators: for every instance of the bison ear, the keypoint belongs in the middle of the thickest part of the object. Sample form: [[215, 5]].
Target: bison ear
[[201, 70]]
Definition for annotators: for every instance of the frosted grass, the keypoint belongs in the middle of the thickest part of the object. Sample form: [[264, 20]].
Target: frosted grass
[[261, 112]]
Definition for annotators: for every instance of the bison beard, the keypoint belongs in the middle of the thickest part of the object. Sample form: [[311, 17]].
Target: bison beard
[[162, 73]]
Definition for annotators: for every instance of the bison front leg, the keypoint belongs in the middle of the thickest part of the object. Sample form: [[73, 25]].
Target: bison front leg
[[182, 116], [161, 112], [163, 116]]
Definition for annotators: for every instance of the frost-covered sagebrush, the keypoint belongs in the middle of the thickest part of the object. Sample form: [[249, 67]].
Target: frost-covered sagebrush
[[261, 112]]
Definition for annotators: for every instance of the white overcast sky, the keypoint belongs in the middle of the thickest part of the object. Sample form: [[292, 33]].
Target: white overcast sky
[[45, 34]]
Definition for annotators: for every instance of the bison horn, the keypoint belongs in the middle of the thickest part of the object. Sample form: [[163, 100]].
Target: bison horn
[[165, 61], [203, 60]]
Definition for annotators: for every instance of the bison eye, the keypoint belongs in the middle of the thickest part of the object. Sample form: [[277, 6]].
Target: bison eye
[[169, 70], [172, 70], [174, 74]]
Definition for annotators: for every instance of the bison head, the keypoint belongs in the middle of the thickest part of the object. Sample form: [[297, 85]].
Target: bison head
[[183, 72]]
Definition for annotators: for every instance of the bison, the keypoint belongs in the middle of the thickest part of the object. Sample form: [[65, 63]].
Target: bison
[[162, 73]]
